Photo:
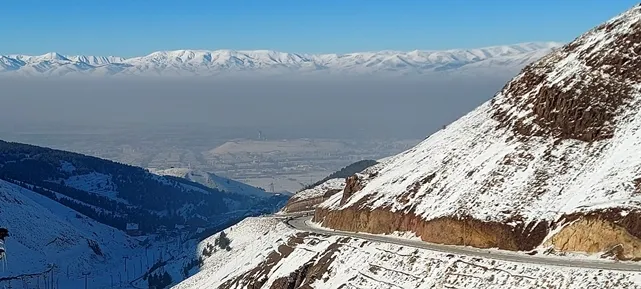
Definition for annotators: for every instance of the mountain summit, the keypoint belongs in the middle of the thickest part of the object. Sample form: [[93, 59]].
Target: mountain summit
[[551, 161], [507, 58]]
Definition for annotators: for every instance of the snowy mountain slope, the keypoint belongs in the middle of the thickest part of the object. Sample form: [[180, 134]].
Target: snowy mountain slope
[[44, 232], [551, 160], [266, 254], [207, 256], [508, 58], [214, 181], [116, 194], [310, 196], [308, 199]]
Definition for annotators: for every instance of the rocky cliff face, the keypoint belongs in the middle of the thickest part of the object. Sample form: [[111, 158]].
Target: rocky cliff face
[[277, 257], [579, 90], [554, 152]]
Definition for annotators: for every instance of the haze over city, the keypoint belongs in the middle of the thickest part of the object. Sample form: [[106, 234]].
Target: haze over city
[[320, 144]]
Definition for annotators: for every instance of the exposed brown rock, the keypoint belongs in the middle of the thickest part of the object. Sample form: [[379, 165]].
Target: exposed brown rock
[[446, 230], [593, 234], [301, 205], [321, 266], [352, 185], [582, 106], [630, 220], [616, 252]]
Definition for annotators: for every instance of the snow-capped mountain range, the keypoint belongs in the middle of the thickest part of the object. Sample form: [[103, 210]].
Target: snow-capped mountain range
[[510, 58]]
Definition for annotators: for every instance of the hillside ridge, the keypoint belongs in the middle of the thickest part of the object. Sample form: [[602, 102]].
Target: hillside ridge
[[556, 146]]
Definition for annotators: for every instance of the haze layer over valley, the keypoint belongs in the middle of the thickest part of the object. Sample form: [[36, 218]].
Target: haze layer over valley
[[288, 131]]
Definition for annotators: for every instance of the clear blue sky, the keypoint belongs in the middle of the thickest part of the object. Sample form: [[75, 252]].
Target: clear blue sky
[[137, 27]]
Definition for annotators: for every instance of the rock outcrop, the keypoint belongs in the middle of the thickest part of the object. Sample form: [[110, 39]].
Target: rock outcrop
[[556, 151], [257, 276], [579, 90], [451, 230], [303, 277], [352, 185], [596, 235]]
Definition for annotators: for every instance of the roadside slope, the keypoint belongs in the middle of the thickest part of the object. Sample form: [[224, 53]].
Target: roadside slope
[[282, 257], [554, 152]]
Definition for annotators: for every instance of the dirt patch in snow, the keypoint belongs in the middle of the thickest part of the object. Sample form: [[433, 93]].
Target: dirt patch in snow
[[414, 188], [637, 185], [302, 277]]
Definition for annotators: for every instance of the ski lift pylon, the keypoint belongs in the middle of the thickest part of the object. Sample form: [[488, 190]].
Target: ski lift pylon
[[4, 232]]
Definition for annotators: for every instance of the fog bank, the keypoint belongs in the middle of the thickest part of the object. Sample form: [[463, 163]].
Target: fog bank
[[338, 107]]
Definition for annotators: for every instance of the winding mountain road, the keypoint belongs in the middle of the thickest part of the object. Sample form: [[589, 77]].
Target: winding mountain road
[[301, 222]]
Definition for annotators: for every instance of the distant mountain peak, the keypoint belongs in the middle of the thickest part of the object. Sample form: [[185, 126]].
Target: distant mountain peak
[[214, 62]]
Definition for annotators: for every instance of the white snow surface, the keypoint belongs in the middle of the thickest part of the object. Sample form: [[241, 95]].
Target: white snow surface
[[363, 264], [207, 62], [44, 232], [476, 167], [213, 181], [96, 183], [467, 160], [320, 190]]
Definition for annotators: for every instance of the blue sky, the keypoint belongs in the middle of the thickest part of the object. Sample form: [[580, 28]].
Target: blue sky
[[137, 27]]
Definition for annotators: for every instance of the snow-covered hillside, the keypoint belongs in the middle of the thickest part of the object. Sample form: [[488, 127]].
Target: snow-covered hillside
[[69, 214], [311, 196], [265, 253], [507, 58], [44, 232], [553, 159], [116, 194], [308, 199], [214, 181]]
